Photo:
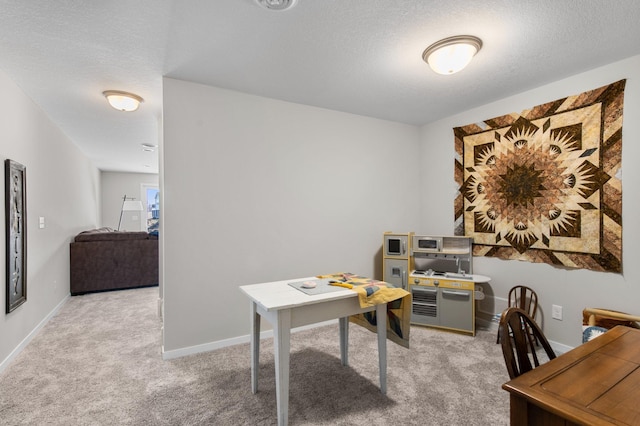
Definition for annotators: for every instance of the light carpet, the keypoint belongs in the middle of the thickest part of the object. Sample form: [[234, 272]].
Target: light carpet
[[98, 362]]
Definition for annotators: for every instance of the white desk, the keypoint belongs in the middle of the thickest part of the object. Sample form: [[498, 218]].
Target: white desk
[[285, 308]]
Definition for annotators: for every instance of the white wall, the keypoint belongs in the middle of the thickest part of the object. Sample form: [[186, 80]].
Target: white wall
[[572, 289], [256, 190], [116, 185], [63, 187], [281, 190]]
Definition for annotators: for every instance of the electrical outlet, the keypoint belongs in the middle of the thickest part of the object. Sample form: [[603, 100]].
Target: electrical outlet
[[556, 312]]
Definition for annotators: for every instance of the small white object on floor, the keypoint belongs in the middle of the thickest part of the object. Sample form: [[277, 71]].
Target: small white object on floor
[[308, 284]]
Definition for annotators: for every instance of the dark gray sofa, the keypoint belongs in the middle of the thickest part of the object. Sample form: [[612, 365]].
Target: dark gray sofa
[[103, 259]]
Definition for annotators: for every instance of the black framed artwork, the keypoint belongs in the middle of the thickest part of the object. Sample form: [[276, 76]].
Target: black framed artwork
[[16, 233]]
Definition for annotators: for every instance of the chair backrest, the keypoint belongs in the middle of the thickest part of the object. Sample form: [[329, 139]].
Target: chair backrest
[[524, 298], [519, 332]]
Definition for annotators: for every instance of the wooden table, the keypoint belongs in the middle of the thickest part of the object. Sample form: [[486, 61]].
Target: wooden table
[[597, 383], [286, 307]]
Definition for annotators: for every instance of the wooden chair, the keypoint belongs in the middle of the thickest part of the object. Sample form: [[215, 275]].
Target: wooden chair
[[524, 298], [519, 333]]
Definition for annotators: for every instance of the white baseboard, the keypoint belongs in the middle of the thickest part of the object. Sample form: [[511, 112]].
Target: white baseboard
[[486, 324], [32, 334], [557, 347], [212, 346]]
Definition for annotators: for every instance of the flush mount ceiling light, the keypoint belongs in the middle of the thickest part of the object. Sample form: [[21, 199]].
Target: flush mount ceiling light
[[123, 101], [276, 4], [452, 54]]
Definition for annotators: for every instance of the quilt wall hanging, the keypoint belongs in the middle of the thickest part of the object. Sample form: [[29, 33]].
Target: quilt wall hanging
[[545, 185]]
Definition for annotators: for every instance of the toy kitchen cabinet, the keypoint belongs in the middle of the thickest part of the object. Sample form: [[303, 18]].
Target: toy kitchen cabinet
[[396, 257]]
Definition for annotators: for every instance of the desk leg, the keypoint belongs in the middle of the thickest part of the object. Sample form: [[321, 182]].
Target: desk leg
[[344, 340], [381, 324], [282, 344], [519, 411], [255, 347]]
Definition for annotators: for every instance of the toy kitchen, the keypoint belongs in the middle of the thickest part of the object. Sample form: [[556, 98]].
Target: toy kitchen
[[438, 272]]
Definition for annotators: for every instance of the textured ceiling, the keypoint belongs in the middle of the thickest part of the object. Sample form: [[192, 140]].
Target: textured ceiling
[[357, 56]]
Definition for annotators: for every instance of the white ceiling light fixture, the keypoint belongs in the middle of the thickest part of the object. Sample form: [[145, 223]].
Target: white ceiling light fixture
[[277, 4], [123, 101], [452, 54]]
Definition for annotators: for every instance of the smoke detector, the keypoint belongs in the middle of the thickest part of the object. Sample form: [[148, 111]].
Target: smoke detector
[[277, 4]]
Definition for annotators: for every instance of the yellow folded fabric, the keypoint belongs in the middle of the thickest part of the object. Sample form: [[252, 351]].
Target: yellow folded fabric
[[380, 294], [374, 292]]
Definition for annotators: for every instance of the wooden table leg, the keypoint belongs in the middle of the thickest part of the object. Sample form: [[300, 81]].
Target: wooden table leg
[[282, 345], [255, 346], [518, 410], [381, 321], [344, 340]]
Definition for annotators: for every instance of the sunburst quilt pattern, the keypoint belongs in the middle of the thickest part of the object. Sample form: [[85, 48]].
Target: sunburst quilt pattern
[[545, 185]]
